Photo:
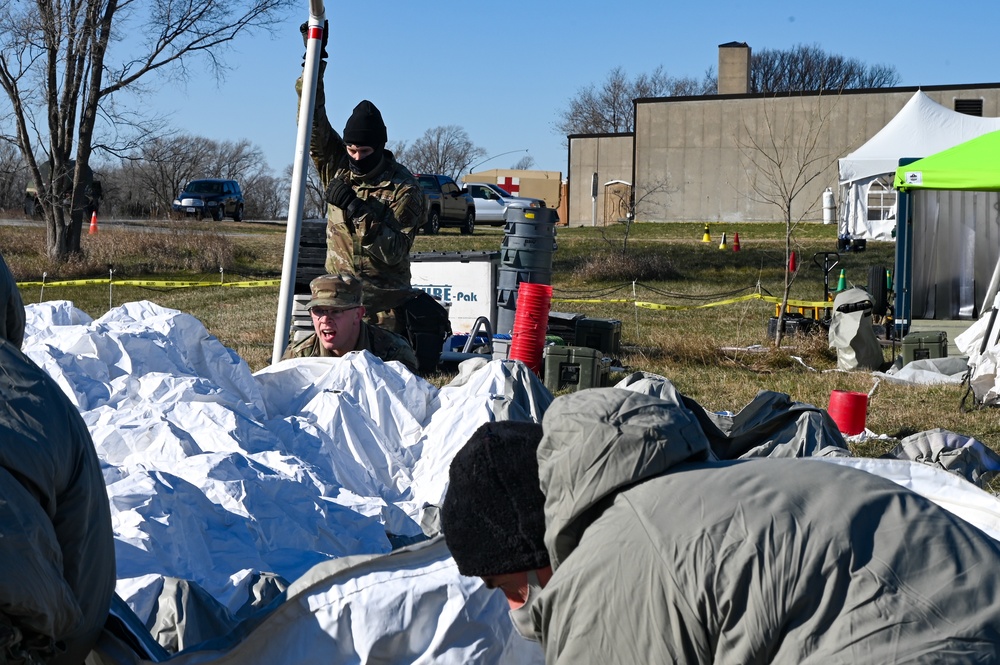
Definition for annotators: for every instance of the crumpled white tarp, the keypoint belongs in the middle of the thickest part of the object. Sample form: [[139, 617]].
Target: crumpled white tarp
[[215, 473], [984, 366], [928, 371]]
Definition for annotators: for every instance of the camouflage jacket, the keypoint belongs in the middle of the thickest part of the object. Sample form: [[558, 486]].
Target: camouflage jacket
[[378, 341], [393, 210]]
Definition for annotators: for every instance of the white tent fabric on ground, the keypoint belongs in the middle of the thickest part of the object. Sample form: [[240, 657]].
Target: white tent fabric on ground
[[984, 360], [921, 128], [287, 489], [215, 474]]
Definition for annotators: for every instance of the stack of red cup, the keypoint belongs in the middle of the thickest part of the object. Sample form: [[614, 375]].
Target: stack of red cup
[[531, 321]]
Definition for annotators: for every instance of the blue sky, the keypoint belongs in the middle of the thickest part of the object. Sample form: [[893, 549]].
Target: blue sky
[[503, 71]]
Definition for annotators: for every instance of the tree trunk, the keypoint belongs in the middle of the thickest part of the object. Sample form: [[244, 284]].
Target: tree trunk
[[62, 233], [74, 232], [56, 237], [779, 333]]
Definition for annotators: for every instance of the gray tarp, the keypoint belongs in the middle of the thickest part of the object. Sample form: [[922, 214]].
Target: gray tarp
[[704, 560], [771, 425]]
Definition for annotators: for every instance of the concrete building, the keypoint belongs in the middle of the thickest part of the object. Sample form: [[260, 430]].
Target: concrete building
[[703, 159]]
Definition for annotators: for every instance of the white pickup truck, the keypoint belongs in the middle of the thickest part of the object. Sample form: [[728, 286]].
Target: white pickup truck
[[492, 202]]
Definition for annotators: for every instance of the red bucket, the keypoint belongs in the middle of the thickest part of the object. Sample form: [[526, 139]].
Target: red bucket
[[531, 319], [849, 410]]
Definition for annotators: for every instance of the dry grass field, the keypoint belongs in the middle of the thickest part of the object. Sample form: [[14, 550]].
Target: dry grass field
[[718, 354]]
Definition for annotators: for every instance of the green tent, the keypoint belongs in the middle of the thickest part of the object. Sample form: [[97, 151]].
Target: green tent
[[970, 166], [948, 232]]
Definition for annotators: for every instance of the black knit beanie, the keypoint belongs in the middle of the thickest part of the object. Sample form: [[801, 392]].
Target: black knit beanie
[[365, 127], [493, 514]]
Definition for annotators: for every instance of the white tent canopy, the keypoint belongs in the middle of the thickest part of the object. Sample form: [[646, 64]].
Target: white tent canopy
[[921, 128]]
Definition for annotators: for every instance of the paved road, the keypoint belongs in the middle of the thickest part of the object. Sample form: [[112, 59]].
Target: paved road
[[228, 228]]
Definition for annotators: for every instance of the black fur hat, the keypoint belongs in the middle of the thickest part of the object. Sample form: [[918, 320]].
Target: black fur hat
[[365, 127], [493, 514]]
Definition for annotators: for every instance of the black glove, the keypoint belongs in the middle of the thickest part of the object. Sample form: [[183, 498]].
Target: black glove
[[340, 194], [304, 30]]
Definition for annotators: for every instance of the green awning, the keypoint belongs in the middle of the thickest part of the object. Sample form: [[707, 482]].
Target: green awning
[[973, 166]]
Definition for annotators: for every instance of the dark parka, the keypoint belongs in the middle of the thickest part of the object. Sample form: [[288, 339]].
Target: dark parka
[[56, 543], [11, 308], [664, 554]]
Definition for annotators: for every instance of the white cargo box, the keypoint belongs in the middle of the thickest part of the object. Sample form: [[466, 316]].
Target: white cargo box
[[465, 282]]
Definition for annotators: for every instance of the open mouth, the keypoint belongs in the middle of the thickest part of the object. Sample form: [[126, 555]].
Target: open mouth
[[327, 334]]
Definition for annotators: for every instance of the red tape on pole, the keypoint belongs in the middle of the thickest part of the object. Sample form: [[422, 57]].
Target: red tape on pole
[[315, 32]]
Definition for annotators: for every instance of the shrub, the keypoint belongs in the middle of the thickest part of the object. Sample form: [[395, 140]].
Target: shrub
[[613, 266]]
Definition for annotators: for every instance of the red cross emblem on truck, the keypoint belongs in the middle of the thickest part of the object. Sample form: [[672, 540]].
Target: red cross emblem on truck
[[510, 185]]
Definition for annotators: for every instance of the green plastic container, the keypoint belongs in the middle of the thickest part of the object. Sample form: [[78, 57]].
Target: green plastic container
[[605, 335], [925, 344], [574, 367]]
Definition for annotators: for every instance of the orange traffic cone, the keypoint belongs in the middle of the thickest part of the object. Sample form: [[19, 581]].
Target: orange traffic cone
[[722, 245], [736, 241], [93, 222]]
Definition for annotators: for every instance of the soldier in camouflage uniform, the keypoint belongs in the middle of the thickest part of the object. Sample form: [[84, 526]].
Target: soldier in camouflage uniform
[[375, 205], [338, 321]]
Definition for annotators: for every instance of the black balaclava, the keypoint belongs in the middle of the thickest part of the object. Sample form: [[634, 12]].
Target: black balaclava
[[365, 127]]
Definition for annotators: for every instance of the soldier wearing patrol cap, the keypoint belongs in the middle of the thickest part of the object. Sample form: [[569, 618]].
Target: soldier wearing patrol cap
[[339, 326]]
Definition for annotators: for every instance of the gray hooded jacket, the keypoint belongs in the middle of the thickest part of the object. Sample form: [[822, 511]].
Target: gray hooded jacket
[[665, 554]]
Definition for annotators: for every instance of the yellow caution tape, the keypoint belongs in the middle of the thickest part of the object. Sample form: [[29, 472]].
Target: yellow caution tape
[[156, 283], [277, 282], [728, 301]]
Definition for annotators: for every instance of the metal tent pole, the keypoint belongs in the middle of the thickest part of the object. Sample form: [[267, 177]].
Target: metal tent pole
[[300, 166]]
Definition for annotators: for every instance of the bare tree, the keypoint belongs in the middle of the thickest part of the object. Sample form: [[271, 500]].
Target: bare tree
[[315, 202], [802, 68], [153, 175], [234, 160], [447, 150], [161, 168], [782, 154], [397, 148], [265, 196], [60, 81], [629, 202], [609, 108], [524, 163]]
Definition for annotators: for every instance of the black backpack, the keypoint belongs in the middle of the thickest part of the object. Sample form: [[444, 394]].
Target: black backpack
[[424, 322]]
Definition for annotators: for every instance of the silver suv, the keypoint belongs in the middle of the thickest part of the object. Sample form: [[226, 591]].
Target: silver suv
[[492, 202]]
